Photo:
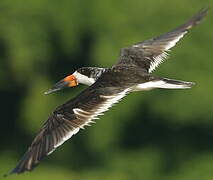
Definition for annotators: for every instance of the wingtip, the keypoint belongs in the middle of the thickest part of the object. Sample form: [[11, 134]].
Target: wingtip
[[197, 18], [10, 173], [13, 171], [24, 165], [203, 12], [18, 170]]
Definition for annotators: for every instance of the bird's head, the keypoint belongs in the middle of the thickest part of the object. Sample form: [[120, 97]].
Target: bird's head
[[85, 75]]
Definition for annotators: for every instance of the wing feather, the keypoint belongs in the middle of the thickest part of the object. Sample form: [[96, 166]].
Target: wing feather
[[149, 54], [66, 121]]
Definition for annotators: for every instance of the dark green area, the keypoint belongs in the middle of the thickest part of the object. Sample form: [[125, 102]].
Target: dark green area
[[156, 135]]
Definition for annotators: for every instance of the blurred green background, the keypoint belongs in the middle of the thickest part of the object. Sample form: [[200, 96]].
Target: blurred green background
[[155, 135]]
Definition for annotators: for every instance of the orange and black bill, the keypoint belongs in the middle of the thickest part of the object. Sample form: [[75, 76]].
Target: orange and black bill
[[69, 81]]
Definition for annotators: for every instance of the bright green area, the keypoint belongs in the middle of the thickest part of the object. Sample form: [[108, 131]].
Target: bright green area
[[155, 135]]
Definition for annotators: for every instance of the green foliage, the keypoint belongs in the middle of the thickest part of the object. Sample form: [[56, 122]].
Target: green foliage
[[160, 134]]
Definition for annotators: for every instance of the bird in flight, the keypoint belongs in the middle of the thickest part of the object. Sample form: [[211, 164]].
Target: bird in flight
[[107, 86]]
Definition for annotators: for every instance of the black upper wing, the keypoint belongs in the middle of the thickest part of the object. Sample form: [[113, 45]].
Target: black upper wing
[[150, 53], [68, 119]]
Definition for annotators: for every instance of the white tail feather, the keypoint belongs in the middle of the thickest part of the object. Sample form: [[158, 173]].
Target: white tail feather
[[165, 83]]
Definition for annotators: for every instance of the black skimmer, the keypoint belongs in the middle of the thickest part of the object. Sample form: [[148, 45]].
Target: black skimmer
[[107, 86]]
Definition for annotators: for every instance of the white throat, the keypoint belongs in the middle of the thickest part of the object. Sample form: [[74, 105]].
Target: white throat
[[82, 79]]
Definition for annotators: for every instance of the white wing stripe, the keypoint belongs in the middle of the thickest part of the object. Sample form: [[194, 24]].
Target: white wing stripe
[[157, 61], [92, 115], [160, 58], [68, 136], [173, 43], [110, 100]]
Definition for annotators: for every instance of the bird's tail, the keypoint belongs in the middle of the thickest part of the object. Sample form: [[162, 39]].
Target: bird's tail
[[164, 83], [172, 84]]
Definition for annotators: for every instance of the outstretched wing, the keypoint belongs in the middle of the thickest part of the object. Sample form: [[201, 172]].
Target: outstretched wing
[[67, 120], [150, 53]]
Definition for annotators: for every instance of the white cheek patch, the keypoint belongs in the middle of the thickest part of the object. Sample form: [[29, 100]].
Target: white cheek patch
[[83, 79]]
